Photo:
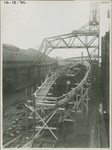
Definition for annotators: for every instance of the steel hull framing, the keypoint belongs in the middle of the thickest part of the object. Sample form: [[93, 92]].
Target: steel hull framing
[[77, 100]]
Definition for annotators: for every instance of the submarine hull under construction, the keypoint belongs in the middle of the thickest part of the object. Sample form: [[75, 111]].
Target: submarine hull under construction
[[55, 109], [58, 106]]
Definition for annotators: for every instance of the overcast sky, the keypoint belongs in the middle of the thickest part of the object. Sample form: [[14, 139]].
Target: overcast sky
[[26, 25]]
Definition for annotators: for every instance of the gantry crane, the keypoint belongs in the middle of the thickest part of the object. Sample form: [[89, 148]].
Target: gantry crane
[[45, 108], [86, 37]]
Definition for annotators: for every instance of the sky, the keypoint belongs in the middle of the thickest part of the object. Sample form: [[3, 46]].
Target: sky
[[26, 25]]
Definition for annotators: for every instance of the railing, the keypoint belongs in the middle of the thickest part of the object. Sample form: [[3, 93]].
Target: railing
[[61, 100], [48, 83]]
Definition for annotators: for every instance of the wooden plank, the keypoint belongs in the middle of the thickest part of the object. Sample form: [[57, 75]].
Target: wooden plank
[[49, 102], [55, 144], [45, 101], [17, 146], [46, 97], [69, 120], [61, 108], [41, 143], [39, 127], [11, 141], [46, 105], [51, 98], [32, 117], [29, 144]]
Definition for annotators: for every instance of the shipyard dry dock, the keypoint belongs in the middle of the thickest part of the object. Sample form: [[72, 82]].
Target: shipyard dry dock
[[52, 104]]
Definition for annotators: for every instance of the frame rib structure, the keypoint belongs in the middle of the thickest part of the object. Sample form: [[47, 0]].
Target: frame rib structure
[[48, 107]]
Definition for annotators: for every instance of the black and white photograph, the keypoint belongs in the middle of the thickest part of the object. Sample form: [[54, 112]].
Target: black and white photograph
[[55, 74]]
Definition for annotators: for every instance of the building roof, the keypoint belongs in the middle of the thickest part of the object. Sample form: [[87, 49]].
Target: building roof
[[23, 54], [10, 47]]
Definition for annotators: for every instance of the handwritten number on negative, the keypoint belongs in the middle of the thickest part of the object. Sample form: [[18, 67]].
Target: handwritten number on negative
[[15, 2]]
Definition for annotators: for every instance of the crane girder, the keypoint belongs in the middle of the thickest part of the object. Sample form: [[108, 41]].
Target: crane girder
[[75, 39], [68, 41]]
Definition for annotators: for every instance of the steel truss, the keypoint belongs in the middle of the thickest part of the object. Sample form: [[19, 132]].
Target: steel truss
[[77, 99], [86, 37], [76, 39]]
